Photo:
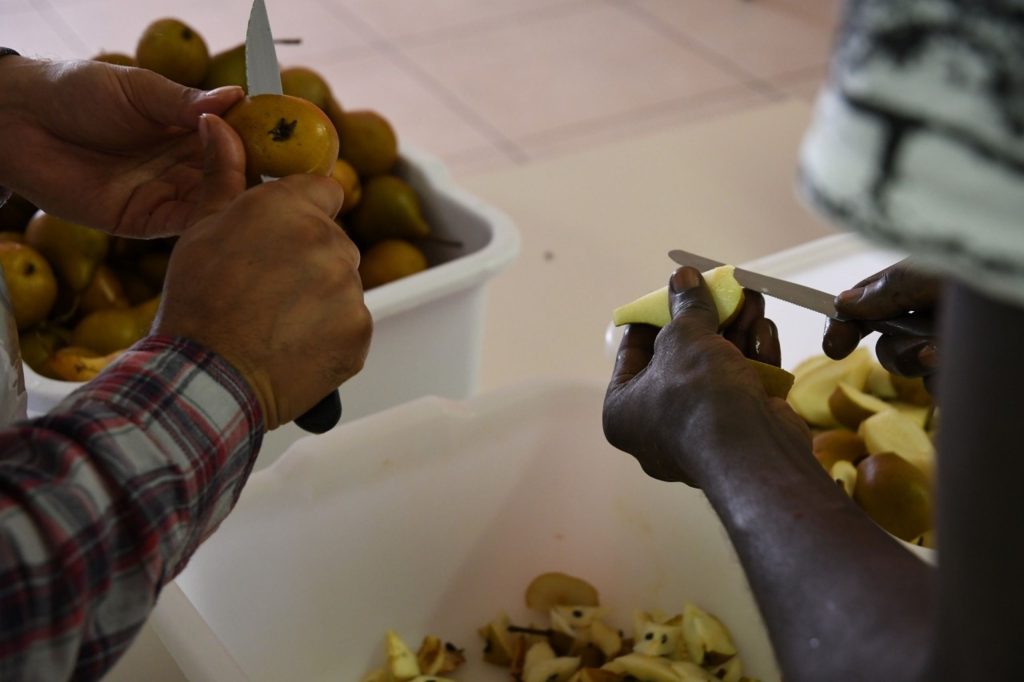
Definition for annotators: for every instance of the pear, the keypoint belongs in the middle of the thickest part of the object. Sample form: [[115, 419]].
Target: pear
[[31, 284], [436, 657], [911, 390], [812, 389], [893, 431], [345, 175], [39, 343], [389, 209], [390, 260], [834, 445], [548, 590], [74, 251], [850, 406], [808, 364], [402, 665], [659, 639], [642, 668], [367, 141], [174, 50], [227, 68], [653, 308], [73, 363], [104, 291], [895, 494], [298, 81], [688, 671], [499, 644]]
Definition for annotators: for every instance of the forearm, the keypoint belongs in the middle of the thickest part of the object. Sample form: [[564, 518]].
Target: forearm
[[104, 500], [841, 598]]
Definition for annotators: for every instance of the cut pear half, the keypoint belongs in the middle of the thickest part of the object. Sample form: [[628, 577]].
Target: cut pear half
[[653, 308]]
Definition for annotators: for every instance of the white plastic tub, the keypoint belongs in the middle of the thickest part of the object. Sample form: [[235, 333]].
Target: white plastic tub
[[428, 327], [431, 518]]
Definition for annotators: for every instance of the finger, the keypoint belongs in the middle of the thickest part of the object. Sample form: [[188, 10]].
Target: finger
[[738, 331], [690, 300], [223, 165], [909, 356], [764, 343], [324, 193], [896, 290], [635, 352], [841, 337], [167, 103]]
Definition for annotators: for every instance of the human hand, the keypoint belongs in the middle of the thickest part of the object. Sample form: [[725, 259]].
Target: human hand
[[110, 147], [268, 281], [890, 293], [677, 393]]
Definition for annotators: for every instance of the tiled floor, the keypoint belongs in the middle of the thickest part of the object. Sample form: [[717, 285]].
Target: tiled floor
[[485, 84]]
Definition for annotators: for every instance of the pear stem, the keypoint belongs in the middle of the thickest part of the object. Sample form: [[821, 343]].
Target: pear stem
[[287, 41]]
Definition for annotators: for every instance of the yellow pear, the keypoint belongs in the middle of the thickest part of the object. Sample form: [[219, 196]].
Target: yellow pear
[[174, 50], [30, 282], [298, 81], [74, 251], [227, 68], [390, 260], [367, 141], [389, 209]]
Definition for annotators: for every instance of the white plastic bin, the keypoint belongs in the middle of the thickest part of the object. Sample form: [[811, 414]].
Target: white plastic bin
[[428, 327], [432, 517]]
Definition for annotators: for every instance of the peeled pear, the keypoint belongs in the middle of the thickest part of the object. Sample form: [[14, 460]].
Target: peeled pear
[[402, 665], [552, 589], [653, 308], [893, 431], [850, 406], [707, 640], [895, 494], [811, 391]]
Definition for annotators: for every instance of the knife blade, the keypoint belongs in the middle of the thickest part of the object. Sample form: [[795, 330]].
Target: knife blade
[[264, 77], [261, 67], [910, 324]]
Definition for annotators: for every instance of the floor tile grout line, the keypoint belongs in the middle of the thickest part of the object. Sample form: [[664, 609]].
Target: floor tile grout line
[[684, 40], [647, 112], [67, 32], [464, 111]]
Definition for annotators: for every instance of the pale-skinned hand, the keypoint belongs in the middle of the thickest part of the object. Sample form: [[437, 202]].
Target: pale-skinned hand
[[110, 147], [268, 280]]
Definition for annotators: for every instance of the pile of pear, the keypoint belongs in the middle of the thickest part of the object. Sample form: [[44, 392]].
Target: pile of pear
[[382, 213], [80, 297]]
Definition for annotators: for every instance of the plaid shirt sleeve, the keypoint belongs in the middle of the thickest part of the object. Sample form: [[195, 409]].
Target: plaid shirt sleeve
[[103, 501]]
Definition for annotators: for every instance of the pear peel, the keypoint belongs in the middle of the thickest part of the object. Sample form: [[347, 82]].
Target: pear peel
[[653, 308]]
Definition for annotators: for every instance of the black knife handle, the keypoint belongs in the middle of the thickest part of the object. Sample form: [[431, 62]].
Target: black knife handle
[[323, 416]]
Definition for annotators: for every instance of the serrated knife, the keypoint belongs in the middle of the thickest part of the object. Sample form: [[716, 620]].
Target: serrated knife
[[911, 324], [264, 78]]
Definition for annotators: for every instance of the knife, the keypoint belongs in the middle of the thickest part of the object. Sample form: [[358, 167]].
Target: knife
[[911, 324], [264, 77]]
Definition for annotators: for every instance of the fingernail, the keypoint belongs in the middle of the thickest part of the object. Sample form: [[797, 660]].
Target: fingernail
[[928, 356], [850, 296], [684, 279], [217, 92], [204, 129]]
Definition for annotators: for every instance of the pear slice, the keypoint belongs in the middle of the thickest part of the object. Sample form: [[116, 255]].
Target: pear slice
[[844, 473], [893, 431], [811, 391], [851, 406], [595, 675], [879, 383], [919, 413], [688, 671], [575, 621], [538, 651], [911, 390], [807, 364], [499, 645], [656, 639], [653, 308], [402, 665], [895, 494], [642, 668], [834, 445], [777, 382], [552, 589], [606, 639], [707, 640], [552, 670]]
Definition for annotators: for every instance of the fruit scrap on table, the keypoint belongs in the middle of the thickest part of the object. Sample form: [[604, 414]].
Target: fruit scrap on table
[[728, 295], [429, 663], [874, 435], [578, 645]]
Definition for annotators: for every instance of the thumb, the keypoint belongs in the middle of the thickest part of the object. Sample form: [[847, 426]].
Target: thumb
[[690, 299], [223, 165], [167, 103]]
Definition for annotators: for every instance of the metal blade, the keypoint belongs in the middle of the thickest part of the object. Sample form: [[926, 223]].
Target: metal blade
[[798, 294], [261, 68]]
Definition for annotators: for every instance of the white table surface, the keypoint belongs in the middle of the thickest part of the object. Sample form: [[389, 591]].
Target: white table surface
[[596, 227]]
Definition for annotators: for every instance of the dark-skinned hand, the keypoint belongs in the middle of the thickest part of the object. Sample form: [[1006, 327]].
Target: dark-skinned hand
[[893, 292], [677, 390]]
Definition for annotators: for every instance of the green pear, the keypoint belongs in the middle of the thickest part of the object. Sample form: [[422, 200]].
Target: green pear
[[227, 68], [74, 251], [389, 209], [366, 140]]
